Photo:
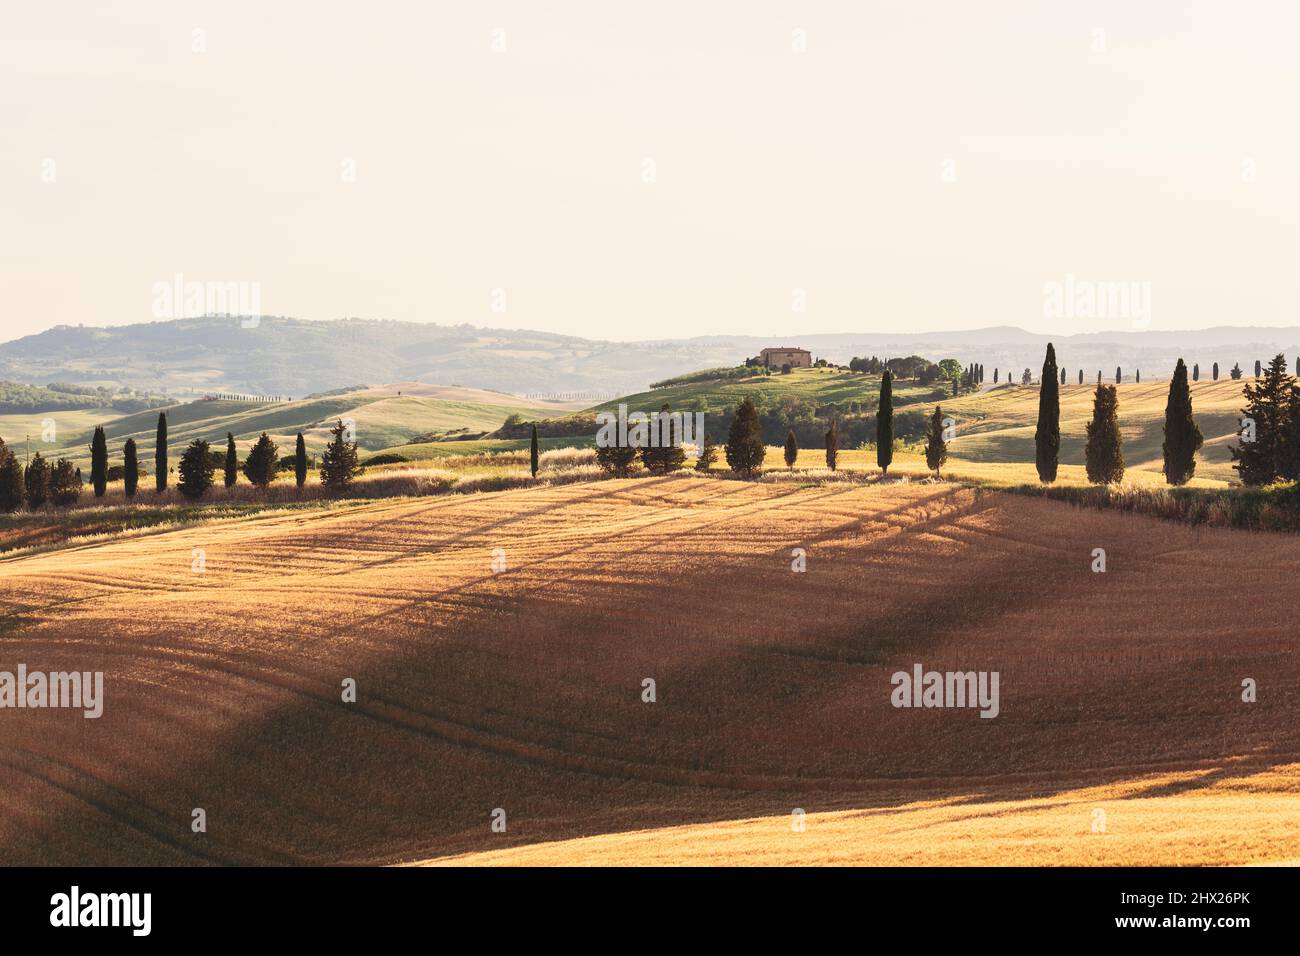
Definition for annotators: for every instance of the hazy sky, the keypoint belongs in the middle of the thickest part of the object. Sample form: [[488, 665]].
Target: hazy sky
[[918, 166]]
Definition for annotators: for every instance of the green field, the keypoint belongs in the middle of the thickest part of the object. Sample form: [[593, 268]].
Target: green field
[[383, 419], [820, 386], [997, 425]]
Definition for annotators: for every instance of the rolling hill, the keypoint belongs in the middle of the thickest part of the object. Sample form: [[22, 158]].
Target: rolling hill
[[187, 357], [520, 687], [383, 416]]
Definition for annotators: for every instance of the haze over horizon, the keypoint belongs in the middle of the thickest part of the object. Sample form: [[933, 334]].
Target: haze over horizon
[[816, 169]]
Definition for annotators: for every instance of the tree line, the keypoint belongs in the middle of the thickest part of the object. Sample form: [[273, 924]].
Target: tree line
[[61, 484], [1269, 447]]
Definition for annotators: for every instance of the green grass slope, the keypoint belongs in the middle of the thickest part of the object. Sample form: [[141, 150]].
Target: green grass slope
[[382, 417]]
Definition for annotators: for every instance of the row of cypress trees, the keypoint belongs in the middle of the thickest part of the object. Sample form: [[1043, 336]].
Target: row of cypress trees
[[1103, 454], [42, 483]]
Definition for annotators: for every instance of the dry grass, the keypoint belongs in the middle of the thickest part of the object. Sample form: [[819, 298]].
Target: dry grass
[[1172, 817], [521, 689]]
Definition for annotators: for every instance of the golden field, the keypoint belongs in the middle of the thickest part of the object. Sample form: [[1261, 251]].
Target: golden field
[[521, 688]]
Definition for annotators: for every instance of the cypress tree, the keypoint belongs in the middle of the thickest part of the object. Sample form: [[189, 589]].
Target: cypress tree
[[262, 462], [1182, 434], [791, 449], [532, 452], [995, 375], [1196, 371], [232, 461], [37, 482], [1047, 437], [99, 462], [1118, 376], [745, 441], [833, 444], [11, 480], [885, 423], [1104, 454], [1214, 372], [160, 454], [195, 470], [1137, 377], [339, 466], [1080, 376], [300, 461], [1258, 368], [1062, 376], [1269, 405], [936, 448], [130, 468]]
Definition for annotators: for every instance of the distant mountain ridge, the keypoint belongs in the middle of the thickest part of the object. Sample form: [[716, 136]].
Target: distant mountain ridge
[[187, 357]]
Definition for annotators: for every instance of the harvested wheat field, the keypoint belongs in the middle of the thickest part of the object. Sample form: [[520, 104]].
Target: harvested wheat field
[[520, 687]]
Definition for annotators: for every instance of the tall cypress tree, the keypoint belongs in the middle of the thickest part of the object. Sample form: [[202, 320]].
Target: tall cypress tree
[[1182, 434], [300, 461], [936, 448], [1118, 375], [1080, 376], [745, 441], [532, 452], [1196, 371], [885, 423], [99, 462], [232, 461], [1214, 372], [791, 449], [160, 454], [130, 468], [1047, 437], [833, 444], [1104, 454]]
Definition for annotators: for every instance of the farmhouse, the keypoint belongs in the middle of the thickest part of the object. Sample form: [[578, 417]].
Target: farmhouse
[[777, 358]]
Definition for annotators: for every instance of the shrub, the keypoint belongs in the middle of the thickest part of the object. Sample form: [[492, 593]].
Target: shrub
[[65, 483], [262, 461], [196, 470]]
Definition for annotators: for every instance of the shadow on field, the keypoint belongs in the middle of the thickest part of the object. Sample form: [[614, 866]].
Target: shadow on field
[[523, 691]]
